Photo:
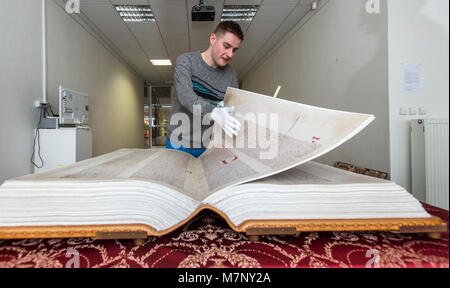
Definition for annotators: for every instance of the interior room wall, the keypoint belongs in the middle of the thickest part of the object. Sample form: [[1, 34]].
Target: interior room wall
[[76, 60], [337, 58], [418, 34], [21, 84]]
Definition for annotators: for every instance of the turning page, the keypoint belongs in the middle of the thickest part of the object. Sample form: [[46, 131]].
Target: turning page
[[275, 135]]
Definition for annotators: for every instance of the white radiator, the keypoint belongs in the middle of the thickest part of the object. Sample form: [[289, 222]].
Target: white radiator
[[430, 162]]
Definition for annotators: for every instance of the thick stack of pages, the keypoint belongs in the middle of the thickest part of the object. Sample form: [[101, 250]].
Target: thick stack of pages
[[255, 187], [91, 193]]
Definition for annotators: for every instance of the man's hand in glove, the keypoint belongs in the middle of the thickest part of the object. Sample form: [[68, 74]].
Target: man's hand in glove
[[229, 124]]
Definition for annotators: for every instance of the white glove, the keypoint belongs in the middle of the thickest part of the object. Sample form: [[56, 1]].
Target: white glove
[[229, 124], [221, 104]]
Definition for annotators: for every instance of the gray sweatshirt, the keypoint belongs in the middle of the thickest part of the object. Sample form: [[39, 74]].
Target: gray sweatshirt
[[198, 89]]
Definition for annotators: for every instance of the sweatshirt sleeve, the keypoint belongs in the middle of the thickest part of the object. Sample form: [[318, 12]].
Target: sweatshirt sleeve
[[184, 89]]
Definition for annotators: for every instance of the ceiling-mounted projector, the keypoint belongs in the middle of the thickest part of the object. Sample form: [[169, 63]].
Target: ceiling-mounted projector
[[203, 13]]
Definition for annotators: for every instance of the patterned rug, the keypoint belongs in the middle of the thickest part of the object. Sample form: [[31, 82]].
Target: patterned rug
[[206, 241]]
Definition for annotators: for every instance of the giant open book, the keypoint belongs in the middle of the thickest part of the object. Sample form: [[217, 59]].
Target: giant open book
[[261, 182]]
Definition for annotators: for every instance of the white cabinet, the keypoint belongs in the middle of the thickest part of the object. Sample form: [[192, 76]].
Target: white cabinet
[[62, 147]]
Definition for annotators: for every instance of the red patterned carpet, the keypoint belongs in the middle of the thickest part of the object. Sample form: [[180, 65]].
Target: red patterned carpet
[[207, 241]]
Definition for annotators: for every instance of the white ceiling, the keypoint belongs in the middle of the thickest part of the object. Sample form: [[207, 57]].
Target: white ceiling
[[174, 33]]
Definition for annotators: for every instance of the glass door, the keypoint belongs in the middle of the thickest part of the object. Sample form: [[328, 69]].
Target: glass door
[[160, 106]]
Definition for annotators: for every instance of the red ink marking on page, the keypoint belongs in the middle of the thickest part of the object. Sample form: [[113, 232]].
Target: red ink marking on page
[[225, 162]]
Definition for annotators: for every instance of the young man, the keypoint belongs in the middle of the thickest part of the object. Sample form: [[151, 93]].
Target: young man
[[201, 80]]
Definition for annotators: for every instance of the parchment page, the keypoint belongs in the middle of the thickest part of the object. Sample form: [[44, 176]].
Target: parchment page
[[276, 135], [170, 168]]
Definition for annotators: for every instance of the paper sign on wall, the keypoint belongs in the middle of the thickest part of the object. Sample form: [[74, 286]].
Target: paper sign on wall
[[412, 78]]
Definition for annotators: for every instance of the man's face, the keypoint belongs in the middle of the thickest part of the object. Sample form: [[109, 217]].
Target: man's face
[[224, 46]]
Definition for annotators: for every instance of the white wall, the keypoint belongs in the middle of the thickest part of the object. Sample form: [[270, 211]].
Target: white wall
[[77, 61], [418, 34], [337, 59], [20, 82]]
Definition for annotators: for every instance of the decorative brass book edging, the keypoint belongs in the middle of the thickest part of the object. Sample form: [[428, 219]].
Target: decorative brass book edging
[[98, 232], [407, 225], [120, 235], [250, 227]]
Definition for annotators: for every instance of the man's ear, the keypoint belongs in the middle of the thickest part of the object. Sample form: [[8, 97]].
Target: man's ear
[[212, 38]]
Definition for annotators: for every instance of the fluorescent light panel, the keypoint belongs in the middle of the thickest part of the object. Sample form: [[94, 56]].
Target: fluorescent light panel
[[239, 13], [161, 62], [135, 13]]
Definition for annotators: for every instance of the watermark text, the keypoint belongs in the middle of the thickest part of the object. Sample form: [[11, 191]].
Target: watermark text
[[73, 6]]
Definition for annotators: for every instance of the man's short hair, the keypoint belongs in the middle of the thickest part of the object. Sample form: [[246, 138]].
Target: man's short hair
[[230, 26]]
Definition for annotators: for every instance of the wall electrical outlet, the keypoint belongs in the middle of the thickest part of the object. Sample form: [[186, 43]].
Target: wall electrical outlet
[[412, 110], [403, 111], [423, 111]]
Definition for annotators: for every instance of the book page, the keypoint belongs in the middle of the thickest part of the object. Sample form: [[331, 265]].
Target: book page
[[314, 173], [169, 168], [275, 135], [316, 191]]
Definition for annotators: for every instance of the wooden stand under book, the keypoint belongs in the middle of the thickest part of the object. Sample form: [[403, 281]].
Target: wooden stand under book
[[433, 227]]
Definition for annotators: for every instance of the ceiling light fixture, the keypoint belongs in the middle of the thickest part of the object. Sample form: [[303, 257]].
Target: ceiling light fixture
[[239, 13], [161, 62], [135, 13]]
